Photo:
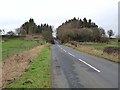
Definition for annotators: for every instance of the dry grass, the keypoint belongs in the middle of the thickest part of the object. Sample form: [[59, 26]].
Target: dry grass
[[16, 65], [99, 53], [38, 75]]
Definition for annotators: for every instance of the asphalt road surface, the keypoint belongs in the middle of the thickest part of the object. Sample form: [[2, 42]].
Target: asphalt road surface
[[74, 69]]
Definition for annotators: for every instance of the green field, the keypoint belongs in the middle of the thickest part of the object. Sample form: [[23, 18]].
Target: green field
[[101, 46], [96, 49], [14, 46], [39, 74]]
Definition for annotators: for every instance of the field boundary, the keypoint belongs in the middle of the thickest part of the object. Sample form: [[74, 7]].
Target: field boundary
[[95, 52]]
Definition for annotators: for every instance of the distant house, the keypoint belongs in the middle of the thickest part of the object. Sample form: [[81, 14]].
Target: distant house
[[33, 37]]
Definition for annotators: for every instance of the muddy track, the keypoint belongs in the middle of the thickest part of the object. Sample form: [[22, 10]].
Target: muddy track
[[14, 66]]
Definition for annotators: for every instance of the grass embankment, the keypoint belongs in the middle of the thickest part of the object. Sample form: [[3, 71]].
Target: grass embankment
[[96, 49], [14, 46], [38, 74]]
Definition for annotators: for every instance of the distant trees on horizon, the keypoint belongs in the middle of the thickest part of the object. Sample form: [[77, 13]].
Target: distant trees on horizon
[[78, 23], [81, 30], [30, 27], [73, 29]]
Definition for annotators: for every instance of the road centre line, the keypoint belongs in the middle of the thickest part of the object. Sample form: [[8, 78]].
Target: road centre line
[[64, 50], [60, 47], [82, 61], [71, 54], [89, 65]]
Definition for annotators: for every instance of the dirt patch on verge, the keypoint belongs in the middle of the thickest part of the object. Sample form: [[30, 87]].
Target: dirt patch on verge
[[13, 67]]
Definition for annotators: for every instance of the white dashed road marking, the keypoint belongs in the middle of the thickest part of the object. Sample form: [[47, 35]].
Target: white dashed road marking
[[90, 65], [64, 50], [71, 54], [82, 61]]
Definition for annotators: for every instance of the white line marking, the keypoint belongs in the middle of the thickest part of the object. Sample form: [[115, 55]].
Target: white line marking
[[82, 61], [61, 47], [90, 65], [71, 54], [64, 50]]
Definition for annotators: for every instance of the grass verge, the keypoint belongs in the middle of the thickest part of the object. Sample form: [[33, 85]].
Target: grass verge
[[38, 75], [93, 51]]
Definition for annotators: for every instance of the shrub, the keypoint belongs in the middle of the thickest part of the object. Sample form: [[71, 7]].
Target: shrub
[[110, 50], [74, 43]]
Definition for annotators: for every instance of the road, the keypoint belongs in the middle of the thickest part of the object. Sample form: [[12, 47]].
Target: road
[[74, 69]]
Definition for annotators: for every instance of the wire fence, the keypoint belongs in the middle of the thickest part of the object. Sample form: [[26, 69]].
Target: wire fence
[[16, 50]]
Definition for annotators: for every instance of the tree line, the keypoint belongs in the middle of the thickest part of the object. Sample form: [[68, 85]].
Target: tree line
[[82, 31], [30, 27]]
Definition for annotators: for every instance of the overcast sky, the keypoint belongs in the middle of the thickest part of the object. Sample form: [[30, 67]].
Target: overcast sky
[[13, 13]]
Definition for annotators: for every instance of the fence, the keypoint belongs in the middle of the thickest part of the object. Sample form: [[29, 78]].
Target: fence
[[16, 50]]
